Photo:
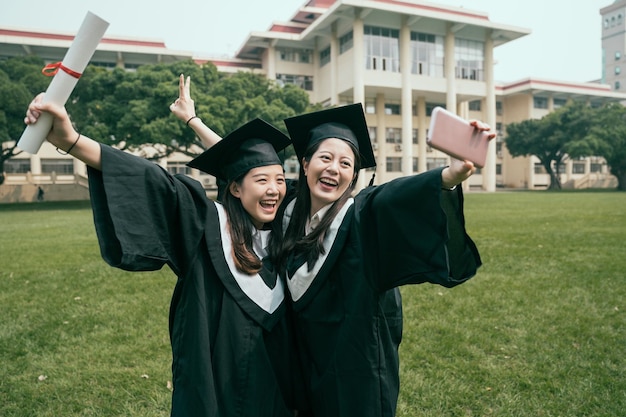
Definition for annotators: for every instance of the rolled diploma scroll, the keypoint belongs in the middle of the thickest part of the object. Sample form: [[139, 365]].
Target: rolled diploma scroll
[[76, 59]]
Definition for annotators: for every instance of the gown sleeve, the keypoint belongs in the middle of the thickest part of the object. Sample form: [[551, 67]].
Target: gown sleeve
[[145, 217], [414, 232]]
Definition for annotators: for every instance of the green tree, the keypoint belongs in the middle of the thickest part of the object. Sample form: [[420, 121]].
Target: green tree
[[553, 138], [20, 80], [131, 109], [608, 139]]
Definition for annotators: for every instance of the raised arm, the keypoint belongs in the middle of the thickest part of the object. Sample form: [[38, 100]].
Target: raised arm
[[63, 135], [184, 109]]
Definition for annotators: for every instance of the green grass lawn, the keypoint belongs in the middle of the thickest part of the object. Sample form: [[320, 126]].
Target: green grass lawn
[[540, 331]]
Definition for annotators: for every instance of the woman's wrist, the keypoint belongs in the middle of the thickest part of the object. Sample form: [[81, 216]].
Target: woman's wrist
[[447, 180], [190, 119]]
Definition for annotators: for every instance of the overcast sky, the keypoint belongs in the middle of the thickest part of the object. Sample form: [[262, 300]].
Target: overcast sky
[[565, 43]]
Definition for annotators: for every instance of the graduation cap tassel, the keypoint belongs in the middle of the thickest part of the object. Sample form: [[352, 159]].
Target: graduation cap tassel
[[372, 180]]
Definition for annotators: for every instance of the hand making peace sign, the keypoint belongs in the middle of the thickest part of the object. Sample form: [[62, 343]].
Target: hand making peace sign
[[184, 107]]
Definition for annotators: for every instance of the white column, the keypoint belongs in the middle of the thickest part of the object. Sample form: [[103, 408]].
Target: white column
[[422, 127], [358, 70], [407, 98], [316, 72], [569, 165], [449, 65], [489, 171], [271, 62], [334, 66], [35, 164], [381, 130]]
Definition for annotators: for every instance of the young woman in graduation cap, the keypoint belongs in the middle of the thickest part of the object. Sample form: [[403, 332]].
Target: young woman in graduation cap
[[227, 318], [344, 258]]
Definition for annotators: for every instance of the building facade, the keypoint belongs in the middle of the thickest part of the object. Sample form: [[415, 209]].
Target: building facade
[[614, 45], [400, 59]]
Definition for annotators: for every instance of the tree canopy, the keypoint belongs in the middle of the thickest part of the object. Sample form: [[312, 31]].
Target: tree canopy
[[130, 109], [608, 137], [20, 81], [572, 131]]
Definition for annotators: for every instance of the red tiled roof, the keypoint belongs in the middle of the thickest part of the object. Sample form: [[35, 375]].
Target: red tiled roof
[[285, 29], [60, 37], [435, 9], [529, 82]]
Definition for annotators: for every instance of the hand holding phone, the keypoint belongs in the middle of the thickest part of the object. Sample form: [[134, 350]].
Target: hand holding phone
[[456, 137]]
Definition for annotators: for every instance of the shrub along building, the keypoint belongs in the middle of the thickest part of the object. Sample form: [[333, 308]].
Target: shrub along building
[[399, 58]]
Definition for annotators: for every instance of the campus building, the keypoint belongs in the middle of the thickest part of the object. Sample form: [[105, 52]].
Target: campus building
[[400, 59], [614, 45]]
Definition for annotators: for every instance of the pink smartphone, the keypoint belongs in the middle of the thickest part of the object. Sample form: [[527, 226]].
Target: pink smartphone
[[455, 136]]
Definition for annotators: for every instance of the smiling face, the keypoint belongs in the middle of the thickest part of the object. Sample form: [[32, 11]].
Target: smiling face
[[329, 172], [261, 191]]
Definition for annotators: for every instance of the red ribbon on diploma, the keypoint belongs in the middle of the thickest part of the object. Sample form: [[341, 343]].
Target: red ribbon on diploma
[[51, 69]]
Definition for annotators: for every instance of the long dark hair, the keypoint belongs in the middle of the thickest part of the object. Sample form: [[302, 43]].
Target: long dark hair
[[240, 227], [295, 239]]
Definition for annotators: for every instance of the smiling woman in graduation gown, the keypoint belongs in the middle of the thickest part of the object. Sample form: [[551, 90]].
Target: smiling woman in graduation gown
[[228, 330], [347, 307]]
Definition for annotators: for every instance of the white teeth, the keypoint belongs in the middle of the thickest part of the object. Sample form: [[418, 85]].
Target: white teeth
[[328, 181]]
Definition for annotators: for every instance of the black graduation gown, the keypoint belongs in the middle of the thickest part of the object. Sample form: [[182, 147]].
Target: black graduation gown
[[229, 347], [348, 316]]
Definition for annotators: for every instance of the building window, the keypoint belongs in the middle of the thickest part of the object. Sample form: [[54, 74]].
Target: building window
[[606, 23], [325, 56], [474, 105], [498, 169], [499, 149], [578, 168], [393, 135], [415, 164], [394, 164], [432, 163], [596, 167], [304, 56], [618, 55], [499, 108], [382, 49], [372, 132], [427, 54], [59, 166], [178, 168], [102, 64], [559, 102], [617, 85], [414, 136], [431, 106], [540, 102], [345, 42], [618, 70], [303, 81], [469, 57], [370, 106], [17, 166], [391, 108], [499, 129], [287, 55], [539, 169]]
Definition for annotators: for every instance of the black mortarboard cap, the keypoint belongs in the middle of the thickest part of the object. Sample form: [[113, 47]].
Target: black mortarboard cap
[[252, 145], [345, 122]]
